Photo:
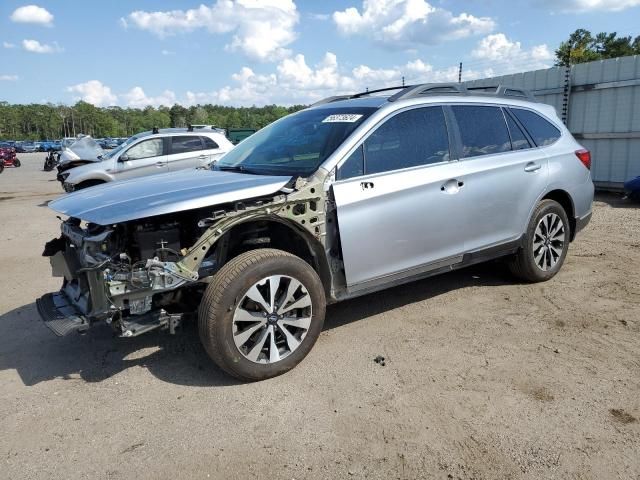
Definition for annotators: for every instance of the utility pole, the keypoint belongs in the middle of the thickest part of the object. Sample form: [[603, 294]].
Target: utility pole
[[403, 80], [460, 73]]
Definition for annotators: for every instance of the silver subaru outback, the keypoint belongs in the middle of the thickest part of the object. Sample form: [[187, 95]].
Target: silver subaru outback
[[353, 195]]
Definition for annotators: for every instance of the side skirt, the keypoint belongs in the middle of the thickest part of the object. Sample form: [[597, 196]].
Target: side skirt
[[468, 259]]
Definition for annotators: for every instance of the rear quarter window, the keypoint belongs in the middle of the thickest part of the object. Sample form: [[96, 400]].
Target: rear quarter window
[[541, 130]]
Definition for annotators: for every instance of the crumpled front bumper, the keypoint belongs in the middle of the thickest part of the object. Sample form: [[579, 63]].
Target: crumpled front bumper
[[60, 315]]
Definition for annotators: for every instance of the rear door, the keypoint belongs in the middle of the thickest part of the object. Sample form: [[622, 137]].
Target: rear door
[[145, 157], [186, 151], [503, 174], [398, 203], [212, 150]]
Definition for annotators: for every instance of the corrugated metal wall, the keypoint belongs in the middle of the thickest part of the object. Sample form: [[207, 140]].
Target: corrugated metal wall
[[603, 110]]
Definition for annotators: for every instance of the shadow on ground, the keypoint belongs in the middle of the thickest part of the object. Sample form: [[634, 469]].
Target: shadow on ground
[[28, 347]]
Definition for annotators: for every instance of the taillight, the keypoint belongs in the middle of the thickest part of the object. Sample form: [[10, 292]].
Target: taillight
[[584, 156]]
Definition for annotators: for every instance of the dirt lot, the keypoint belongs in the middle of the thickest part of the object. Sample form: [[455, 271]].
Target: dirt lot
[[484, 378]]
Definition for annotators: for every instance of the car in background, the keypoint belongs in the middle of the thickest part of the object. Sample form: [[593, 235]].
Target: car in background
[[49, 145], [86, 164], [26, 147], [110, 143], [632, 188]]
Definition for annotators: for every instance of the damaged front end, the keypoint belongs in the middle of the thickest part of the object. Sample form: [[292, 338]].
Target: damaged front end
[[123, 275], [149, 273]]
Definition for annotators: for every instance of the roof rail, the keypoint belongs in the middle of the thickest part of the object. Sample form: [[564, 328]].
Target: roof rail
[[414, 91], [337, 98]]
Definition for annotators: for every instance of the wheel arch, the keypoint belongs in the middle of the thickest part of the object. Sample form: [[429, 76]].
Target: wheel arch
[[283, 235], [566, 202]]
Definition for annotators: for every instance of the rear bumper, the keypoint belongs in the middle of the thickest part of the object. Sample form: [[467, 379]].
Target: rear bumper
[[581, 223], [60, 315]]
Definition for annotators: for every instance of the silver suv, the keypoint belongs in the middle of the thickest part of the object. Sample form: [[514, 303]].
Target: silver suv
[[353, 195], [147, 153]]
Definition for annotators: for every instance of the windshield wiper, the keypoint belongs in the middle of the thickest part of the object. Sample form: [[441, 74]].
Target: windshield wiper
[[235, 168]]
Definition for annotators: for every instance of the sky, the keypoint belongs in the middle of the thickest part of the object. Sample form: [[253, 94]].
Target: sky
[[256, 52]]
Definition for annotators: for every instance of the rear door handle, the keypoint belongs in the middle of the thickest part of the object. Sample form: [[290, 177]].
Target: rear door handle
[[532, 167], [366, 185]]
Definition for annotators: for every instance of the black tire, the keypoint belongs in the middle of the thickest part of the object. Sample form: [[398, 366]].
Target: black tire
[[87, 184], [524, 265], [229, 286], [17, 162]]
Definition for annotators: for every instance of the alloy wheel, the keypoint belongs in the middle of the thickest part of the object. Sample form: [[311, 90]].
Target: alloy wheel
[[548, 241], [272, 319]]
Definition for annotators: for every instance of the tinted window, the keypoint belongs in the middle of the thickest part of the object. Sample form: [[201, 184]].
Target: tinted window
[[411, 138], [482, 130], [209, 144], [353, 166], [542, 131], [518, 138], [145, 149], [185, 144]]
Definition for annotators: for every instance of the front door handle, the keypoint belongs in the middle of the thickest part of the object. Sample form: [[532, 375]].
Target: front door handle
[[452, 186], [161, 164], [202, 157], [366, 185], [532, 167]]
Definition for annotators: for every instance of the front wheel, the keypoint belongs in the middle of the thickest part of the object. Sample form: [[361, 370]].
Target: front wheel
[[546, 243], [16, 162], [261, 314]]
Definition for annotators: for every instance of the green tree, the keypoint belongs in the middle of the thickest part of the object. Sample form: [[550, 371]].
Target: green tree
[[582, 47]]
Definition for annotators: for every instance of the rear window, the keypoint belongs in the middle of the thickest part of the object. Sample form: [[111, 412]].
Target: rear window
[[185, 144], [542, 131], [482, 130]]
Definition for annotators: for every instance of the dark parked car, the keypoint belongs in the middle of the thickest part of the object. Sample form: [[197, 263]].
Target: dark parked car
[[26, 147]]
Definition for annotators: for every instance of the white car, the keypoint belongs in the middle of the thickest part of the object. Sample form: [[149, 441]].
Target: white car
[[85, 164]]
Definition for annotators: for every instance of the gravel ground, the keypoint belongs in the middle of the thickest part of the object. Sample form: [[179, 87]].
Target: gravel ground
[[484, 378]]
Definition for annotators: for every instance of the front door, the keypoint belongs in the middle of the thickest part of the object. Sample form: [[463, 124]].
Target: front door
[[143, 158], [400, 201]]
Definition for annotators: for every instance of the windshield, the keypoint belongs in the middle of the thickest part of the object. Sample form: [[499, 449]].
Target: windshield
[[296, 144], [119, 148]]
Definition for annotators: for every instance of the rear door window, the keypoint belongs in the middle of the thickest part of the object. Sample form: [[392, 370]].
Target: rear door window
[[541, 130], [412, 138], [483, 130], [185, 144], [519, 140]]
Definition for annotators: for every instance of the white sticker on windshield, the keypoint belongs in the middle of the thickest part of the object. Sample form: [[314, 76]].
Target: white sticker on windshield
[[342, 118]]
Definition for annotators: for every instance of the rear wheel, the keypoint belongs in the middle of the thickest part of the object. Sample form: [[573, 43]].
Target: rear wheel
[[261, 314], [17, 162], [546, 244]]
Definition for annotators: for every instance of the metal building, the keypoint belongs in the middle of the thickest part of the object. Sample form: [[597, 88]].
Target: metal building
[[600, 103]]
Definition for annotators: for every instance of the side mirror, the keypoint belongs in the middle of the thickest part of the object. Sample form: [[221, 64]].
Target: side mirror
[[123, 158]]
